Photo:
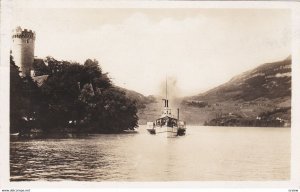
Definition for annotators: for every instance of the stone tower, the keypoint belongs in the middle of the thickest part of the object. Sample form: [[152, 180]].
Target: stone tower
[[23, 49]]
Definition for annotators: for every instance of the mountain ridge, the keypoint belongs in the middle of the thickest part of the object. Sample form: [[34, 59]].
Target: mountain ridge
[[263, 90], [267, 73]]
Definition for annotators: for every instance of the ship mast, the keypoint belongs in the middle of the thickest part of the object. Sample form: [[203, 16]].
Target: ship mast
[[166, 107], [166, 100], [166, 88]]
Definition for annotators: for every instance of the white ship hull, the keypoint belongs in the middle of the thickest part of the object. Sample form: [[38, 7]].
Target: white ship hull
[[166, 131]]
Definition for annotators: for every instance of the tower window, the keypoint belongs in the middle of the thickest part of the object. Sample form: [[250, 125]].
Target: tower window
[[27, 41]]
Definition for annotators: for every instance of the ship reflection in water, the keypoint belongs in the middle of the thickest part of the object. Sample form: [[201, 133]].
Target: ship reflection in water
[[204, 154]]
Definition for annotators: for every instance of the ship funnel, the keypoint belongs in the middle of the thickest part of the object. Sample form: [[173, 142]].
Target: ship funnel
[[166, 102]]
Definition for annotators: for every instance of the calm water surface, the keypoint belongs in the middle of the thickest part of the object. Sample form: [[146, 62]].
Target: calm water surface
[[204, 154]]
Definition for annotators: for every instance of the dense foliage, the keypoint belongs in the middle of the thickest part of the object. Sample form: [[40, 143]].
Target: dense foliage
[[71, 98]]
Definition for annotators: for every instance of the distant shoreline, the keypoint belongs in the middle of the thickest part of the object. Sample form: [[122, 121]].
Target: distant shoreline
[[14, 137]]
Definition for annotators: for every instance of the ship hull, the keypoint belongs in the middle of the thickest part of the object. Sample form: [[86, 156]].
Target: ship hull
[[166, 131]]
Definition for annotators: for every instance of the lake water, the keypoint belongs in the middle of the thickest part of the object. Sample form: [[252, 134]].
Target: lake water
[[204, 154]]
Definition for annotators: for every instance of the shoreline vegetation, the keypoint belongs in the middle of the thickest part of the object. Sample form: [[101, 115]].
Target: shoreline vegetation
[[265, 119], [67, 98]]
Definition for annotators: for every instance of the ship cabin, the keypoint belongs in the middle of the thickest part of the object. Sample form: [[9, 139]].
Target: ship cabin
[[166, 121]]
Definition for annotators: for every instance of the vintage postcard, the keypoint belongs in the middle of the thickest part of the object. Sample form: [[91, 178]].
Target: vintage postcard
[[149, 94]]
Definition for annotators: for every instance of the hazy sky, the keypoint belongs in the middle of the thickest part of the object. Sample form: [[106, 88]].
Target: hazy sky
[[199, 48]]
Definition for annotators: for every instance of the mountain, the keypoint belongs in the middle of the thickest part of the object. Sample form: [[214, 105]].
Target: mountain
[[264, 92], [148, 107], [268, 81], [139, 98]]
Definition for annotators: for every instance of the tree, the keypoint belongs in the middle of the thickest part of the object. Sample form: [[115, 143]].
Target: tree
[[74, 97], [40, 67], [114, 111], [26, 102], [16, 87]]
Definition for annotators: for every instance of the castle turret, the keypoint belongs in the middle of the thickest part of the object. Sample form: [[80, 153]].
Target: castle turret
[[23, 49]]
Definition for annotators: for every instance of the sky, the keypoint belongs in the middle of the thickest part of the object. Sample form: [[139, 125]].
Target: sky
[[197, 49]]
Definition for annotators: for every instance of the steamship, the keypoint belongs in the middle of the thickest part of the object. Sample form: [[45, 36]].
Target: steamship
[[167, 125]]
